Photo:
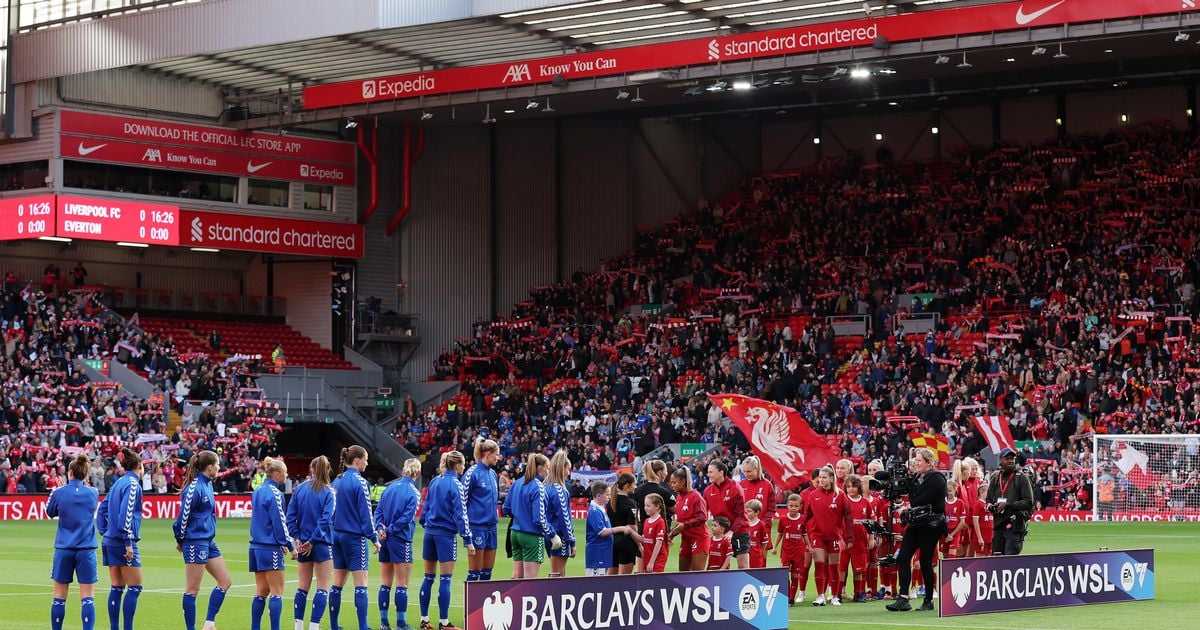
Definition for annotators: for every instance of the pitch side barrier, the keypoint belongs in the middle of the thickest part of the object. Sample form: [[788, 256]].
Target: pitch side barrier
[[741, 599], [990, 584]]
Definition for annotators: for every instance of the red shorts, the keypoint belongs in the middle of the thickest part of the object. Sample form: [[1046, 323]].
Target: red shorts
[[694, 545], [792, 554], [985, 550], [830, 545]]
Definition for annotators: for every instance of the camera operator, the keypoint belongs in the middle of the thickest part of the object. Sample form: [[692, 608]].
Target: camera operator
[[1010, 499], [926, 525]]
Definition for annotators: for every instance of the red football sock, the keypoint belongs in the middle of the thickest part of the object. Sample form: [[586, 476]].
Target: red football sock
[[820, 576], [873, 577], [835, 580]]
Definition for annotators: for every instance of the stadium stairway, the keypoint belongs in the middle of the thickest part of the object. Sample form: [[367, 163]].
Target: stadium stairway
[[174, 423]]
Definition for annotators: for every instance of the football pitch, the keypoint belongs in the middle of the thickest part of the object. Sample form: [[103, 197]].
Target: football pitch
[[26, 550]]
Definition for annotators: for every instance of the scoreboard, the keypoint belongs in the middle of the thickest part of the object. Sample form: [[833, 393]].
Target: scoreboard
[[87, 218], [27, 217], [117, 221]]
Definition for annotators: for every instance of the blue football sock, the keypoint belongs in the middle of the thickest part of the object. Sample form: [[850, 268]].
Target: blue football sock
[[320, 598], [115, 593], [335, 605], [275, 610], [189, 611], [300, 604], [58, 611], [129, 606], [362, 605], [214, 603], [444, 597], [257, 606], [425, 594], [385, 600], [401, 606], [485, 575], [87, 613], [472, 576]]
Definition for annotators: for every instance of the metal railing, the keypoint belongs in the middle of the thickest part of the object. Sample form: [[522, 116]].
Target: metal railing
[[194, 301]]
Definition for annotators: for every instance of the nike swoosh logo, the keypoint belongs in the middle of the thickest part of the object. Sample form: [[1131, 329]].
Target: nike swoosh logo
[[1024, 18], [89, 150], [251, 167]]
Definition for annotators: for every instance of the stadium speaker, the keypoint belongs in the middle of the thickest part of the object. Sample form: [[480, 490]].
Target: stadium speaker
[[235, 113], [559, 81], [881, 43]]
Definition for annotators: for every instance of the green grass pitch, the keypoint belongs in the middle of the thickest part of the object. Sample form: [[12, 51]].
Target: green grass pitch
[[26, 549]]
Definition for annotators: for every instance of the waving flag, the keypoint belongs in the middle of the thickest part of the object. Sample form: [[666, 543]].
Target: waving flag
[[779, 435], [938, 444], [995, 431]]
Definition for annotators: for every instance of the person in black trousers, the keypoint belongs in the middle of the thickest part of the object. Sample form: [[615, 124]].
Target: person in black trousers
[[925, 528], [1010, 499]]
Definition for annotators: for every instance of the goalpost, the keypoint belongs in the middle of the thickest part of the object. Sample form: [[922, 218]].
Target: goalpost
[[1146, 477]]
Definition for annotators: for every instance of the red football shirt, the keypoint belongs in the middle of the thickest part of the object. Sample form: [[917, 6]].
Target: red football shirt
[[861, 511], [985, 521], [726, 500], [828, 516], [956, 512], [691, 512], [763, 492], [718, 551], [792, 531], [655, 530], [760, 542]]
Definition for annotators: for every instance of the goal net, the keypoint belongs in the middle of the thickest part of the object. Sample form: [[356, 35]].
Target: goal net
[[1146, 477]]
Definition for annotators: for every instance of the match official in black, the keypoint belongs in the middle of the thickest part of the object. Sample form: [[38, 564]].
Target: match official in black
[[1010, 499], [926, 519]]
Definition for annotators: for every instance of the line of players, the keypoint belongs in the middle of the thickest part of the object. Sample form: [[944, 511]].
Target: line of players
[[825, 530], [329, 537]]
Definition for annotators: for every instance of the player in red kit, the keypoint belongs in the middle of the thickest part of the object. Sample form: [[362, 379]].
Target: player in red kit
[[982, 521], [855, 555], [827, 519], [968, 474], [806, 564], [654, 534], [791, 548], [958, 517], [720, 549], [691, 523], [724, 498], [889, 575], [879, 507], [760, 534]]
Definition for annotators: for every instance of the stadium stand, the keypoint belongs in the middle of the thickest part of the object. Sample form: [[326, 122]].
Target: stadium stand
[[1061, 275]]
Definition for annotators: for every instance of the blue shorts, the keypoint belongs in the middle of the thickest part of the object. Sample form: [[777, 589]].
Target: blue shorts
[[350, 553], [114, 556], [200, 551], [69, 563], [266, 560], [395, 550], [440, 548], [484, 537], [320, 553]]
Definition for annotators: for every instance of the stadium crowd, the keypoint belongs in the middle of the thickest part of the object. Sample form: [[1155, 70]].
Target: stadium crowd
[[52, 412], [1062, 277]]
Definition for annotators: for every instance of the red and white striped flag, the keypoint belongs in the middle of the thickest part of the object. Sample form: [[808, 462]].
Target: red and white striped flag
[[995, 430]]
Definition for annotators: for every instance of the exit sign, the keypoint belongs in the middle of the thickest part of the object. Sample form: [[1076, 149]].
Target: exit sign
[[385, 403]]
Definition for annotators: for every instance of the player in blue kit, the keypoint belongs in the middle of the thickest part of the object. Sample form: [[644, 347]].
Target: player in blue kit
[[396, 518], [269, 543], [74, 544], [353, 526], [558, 512], [482, 495], [195, 530], [310, 521], [119, 521], [444, 516]]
